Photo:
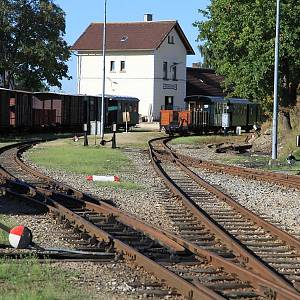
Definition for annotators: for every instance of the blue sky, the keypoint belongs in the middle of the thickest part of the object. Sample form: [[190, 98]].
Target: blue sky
[[79, 14]]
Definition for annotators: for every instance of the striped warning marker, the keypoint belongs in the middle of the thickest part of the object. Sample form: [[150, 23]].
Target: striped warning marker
[[103, 178], [20, 237]]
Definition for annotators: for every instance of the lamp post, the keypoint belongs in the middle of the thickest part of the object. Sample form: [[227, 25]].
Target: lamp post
[[103, 79], [275, 104]]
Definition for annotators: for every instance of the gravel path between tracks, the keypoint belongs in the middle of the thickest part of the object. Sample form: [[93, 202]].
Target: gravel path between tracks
[[145, 203], [103, 281], [280, 204], [113, 280]]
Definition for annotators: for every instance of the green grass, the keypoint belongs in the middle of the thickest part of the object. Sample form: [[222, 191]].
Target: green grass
[[120, 185], [133, 139], [207, 139], [262, 162], [11, 139], [72, 157], [5, 220], [29, 280]]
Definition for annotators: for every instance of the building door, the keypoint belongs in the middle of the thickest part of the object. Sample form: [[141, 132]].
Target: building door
[[169, 102]]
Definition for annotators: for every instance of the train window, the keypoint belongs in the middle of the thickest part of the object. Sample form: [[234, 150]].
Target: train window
[[135, 107], [192, 105], [130, 107]]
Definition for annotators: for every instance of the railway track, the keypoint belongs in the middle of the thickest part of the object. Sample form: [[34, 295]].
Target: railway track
[[290, 181], [212, 216], [195, 271]]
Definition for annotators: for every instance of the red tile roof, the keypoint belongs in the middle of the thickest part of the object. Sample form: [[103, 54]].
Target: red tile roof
[[129, 36], [204, 82]]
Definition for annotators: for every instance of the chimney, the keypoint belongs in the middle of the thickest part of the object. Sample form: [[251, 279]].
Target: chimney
[[148, 17]]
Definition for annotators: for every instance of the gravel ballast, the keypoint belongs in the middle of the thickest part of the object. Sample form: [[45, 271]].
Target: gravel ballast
[[147, 203], [278, 204], [112, 280]]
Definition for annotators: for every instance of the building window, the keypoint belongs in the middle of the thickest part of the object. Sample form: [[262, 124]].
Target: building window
[[174, 72], [165, 70], [112, 66], [171, 39], [122, 66], [169, 102]]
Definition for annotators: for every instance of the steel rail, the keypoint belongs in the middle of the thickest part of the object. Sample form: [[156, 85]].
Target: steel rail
[[272, 229], [261, 284], [172, 280], [231, 242], [191, 291], [291, 181]]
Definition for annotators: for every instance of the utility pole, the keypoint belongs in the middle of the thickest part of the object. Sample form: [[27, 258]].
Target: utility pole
[[275, 104], [103, 79]]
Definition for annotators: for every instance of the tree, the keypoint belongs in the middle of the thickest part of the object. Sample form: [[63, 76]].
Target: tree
[[33, 51], [238, 41]]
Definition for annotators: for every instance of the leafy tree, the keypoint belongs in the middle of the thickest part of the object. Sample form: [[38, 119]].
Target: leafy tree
[[238, 41], [33, 51]]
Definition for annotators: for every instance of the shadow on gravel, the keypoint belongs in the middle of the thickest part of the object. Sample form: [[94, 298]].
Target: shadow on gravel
[[10, 206]]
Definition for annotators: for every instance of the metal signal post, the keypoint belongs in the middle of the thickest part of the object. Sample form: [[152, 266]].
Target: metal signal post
[[275, 104], [103, 79]]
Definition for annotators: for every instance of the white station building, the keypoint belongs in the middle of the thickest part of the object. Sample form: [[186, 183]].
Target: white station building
[[146, 60]]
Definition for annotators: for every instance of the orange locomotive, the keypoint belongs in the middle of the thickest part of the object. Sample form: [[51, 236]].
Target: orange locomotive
[[172, 121]]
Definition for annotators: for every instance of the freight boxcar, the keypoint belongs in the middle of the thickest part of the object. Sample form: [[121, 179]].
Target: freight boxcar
[[72, 111], [4, 109], [25, 111], [15, 109]]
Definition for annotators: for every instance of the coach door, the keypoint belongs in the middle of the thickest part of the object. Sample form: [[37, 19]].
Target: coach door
[[192, 105]]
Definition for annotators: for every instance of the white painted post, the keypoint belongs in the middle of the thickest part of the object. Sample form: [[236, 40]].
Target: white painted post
[[103, 79]]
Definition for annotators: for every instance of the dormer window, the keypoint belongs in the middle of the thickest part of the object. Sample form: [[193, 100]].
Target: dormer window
[[171, 39]]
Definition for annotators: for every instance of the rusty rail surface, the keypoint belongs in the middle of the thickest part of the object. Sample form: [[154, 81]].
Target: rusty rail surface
[[30, 193], [46, 198], [247, 256], [173, 242], [289, 239], [264, 287], [290, 181]]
